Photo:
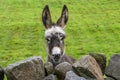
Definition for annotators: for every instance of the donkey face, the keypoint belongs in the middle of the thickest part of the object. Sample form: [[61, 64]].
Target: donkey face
[[54, 33]]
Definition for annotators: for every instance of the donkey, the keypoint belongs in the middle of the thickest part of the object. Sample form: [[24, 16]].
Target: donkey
[[55, 35]]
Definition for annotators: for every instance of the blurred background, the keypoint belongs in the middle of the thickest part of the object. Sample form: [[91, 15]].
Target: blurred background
[[93, 26]]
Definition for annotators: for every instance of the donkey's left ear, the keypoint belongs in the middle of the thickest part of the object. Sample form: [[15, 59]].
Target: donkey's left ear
[[64, 17], [46, 17]]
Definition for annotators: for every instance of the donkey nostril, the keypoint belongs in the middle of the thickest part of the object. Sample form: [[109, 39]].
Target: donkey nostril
[[53, 55], [56, 55]]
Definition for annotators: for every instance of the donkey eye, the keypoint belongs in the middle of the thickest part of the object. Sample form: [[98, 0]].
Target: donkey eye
[[61, 37], [48, 39]]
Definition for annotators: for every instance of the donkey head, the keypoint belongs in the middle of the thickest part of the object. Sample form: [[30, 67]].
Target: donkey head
[[54, 33]]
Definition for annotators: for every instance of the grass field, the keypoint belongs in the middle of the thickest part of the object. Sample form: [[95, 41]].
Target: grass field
[[93, 26]]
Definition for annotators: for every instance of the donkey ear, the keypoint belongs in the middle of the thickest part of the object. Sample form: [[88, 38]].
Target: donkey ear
[[64, 17], [46, 17]]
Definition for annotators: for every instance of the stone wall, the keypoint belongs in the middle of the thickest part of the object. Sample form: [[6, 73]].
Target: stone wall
[[89, 67]]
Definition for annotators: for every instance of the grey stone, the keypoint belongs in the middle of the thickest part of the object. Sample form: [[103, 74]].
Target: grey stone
[[88, 68], [109, 78], [30, 69], [1, 73], [49, 68], [50, 77], [67, 58], [92, 79], [61, 69], [101, 60], [113, 68], [72, 76]]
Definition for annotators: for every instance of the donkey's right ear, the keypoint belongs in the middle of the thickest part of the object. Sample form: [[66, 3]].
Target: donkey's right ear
[[46, 17], [64, 17]]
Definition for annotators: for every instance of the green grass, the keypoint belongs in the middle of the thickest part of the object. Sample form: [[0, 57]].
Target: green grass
[[93, 26]]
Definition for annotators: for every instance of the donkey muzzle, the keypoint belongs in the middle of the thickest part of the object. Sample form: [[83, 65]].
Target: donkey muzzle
[[56, 53], [56, 57]]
